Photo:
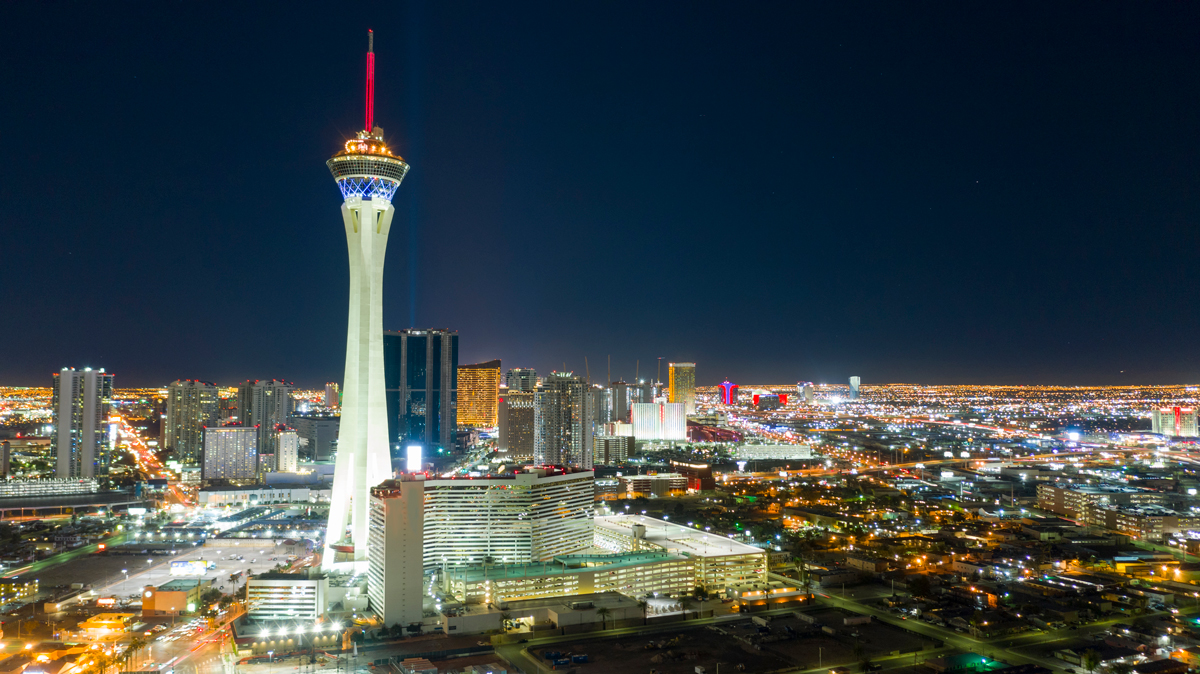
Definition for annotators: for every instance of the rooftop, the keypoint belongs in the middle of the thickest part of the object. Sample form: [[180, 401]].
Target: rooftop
[[675, 538], [564, 564]]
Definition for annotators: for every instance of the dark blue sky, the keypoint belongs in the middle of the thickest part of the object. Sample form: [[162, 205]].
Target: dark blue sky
[[955, 192]]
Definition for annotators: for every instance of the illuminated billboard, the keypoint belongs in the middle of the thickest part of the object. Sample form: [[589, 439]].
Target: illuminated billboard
[[413, 460], [191, 568]]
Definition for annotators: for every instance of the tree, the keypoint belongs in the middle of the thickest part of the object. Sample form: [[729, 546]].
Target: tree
[[397, 631], [135, 645], [1091, 660], [701, 595], [1121, 668], [211, 596], [976, 621], [603, 612], [919, 586], [645, 607], [504, 618]]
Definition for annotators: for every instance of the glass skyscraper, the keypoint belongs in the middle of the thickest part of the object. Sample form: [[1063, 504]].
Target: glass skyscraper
[[421, 378]]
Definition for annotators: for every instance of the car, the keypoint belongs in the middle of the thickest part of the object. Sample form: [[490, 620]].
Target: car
[[522, 641]]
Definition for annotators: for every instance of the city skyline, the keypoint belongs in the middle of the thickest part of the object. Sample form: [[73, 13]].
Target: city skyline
[[895, 200]]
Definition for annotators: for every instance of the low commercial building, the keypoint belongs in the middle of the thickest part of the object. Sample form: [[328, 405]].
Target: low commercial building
[[104, 624], [15, 587], [699, 475], [567, 614], [611, 450], [609, 488], [718, 561], [286, 596], [661, 484], [1072, 500], [254, 494], [181, 595]]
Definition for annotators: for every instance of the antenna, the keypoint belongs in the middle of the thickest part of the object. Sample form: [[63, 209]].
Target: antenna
[[370, 81]]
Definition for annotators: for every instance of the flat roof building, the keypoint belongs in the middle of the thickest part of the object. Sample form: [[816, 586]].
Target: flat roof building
[[719, 561], [286, 596]]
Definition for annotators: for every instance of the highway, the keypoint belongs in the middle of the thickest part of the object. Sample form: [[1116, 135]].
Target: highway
[[147, 462]]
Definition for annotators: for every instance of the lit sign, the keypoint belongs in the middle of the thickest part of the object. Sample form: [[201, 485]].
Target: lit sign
[[413, 462]]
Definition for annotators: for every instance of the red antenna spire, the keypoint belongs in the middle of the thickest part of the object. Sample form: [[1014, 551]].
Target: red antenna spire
[[370, 81]]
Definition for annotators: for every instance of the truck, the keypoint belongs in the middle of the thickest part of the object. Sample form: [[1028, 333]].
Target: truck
[[582, 657]]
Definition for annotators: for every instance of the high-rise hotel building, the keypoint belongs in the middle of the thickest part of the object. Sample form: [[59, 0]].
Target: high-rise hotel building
[[230, 455], [682, 386], [530, 516], [81, 403], [564, 411], [395, 550], [521, 379], [421, 378], [516, 423], [265, 404], [1174, 421], [191, 405], [478, 394]]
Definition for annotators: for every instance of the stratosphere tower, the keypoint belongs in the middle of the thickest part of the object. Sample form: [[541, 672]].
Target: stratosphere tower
[[368, 175]]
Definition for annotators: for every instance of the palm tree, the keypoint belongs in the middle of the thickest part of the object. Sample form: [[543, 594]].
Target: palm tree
[[603, 612], [701, 595], [504, 618], [135, 645], [645, 610], [1090, 660]]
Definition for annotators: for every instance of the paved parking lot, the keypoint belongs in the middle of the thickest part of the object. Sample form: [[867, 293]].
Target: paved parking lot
[[104, 572]]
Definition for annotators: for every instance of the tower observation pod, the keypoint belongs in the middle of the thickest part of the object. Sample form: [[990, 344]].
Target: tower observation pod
[[368, 174]]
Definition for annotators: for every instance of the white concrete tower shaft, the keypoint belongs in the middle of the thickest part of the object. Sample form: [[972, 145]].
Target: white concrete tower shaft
[[368, 175]]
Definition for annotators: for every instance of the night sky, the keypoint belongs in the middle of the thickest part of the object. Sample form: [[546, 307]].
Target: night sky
[[909, 192]]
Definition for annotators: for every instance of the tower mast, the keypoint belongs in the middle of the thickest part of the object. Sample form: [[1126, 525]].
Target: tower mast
[[370, 81]]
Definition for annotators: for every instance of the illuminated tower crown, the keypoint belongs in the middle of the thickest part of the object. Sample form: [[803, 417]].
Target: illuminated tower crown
[[366, 168]]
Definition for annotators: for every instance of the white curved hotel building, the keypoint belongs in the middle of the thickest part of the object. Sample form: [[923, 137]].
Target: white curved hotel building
[[531, 516]]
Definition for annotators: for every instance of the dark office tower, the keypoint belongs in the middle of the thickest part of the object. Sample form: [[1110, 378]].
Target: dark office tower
[[516, 425], [521, 379], [622, 397], [227, 411], [191, 405], [80, 404], [421, 377], [641, 392], [603, 409], [563, 420], [265, 404], [5, 458], [318, 435]]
